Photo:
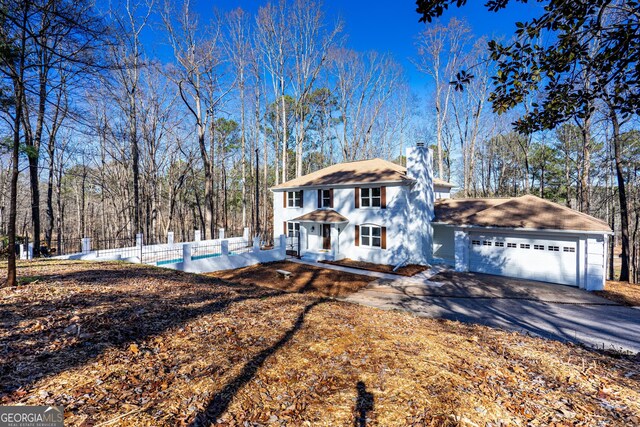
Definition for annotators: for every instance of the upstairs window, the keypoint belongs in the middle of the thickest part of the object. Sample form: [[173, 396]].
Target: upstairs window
[[294, 199], [370, 197], [325, 198]]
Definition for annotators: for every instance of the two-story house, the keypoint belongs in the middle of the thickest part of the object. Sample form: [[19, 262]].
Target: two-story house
[[381, 212]]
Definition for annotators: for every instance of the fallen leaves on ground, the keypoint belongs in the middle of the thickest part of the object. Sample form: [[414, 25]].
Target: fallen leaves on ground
[[304, 278], [622, 293], [405, 270], [136, 345]]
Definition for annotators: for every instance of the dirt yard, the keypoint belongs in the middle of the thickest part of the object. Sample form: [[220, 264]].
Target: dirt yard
[[134, 345], [407, 270], [622, 292], [304, 278]]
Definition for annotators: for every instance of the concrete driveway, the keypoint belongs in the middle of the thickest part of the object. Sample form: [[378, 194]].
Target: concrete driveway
[[557, 312]]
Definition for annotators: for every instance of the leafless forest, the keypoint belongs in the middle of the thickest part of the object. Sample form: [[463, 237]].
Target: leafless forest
[[115, 138]]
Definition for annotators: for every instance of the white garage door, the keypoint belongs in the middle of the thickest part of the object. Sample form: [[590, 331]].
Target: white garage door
[[531, 257]]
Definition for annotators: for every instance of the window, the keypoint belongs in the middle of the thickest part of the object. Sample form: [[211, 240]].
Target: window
[[370, 197], [568, 249], [486, 243], [370, 236], [525, 246], [538, 247], [293, 229], [475, 242], [500, 244], [511, 245], [554, 248], [325, 202], [294, 199]]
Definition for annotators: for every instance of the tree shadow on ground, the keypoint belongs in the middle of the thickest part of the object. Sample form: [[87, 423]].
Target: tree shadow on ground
[[218, 405], [40, 337]]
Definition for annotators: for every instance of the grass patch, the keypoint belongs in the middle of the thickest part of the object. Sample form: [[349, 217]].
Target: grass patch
[[138, 346]]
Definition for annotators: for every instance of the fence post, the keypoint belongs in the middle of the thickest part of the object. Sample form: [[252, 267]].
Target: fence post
[[220, 233], [186, 257], [139, 243], [86, 245], [197, 236], [170, 238], [224, 245], [245, 234], [256, 243]]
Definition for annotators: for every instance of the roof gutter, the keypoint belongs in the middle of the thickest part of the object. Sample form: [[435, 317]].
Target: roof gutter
[[407, 181], [539, 230]]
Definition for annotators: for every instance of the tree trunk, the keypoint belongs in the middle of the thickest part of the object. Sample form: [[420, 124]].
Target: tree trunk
[[622, 195], [284, 136]]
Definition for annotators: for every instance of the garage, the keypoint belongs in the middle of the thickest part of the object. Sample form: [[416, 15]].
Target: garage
[[524, 237], [547, 259]]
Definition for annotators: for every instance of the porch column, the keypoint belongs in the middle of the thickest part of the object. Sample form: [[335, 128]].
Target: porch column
[[303, 237], [335, 241]]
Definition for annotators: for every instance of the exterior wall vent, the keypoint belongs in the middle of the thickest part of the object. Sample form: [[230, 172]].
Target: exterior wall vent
[[420, 144]]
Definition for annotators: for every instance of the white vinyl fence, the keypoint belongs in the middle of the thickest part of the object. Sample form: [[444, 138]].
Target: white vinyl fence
[[199, 256]]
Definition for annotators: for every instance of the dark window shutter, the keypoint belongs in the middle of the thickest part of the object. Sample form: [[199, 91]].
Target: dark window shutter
[[319, 198], [357, 200], [383, 237], [301, 198], [331, 198], [284, 199], [383, 197], [284, 226], [357, 235]]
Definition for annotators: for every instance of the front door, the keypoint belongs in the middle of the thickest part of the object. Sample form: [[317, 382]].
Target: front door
[[326, 236]]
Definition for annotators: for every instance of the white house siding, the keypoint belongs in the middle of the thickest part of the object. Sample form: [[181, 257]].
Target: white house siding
[[596, 262], [443, 243], [442, 192], [393, 217]]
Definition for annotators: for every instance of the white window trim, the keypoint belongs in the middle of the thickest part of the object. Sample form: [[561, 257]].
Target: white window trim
[[294, 199], [370, 198], [370, 236]]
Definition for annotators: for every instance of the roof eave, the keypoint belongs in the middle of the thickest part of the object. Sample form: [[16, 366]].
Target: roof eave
[[545, 230], [406, 181]]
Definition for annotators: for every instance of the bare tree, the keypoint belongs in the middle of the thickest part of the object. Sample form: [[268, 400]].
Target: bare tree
[[274, 43], [364, 85], [196, 53], [441, 52]]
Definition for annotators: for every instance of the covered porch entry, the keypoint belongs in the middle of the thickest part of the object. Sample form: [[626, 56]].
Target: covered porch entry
[[320, 232]]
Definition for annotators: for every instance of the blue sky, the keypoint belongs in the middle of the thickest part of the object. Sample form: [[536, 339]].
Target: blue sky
[[391, 25]]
